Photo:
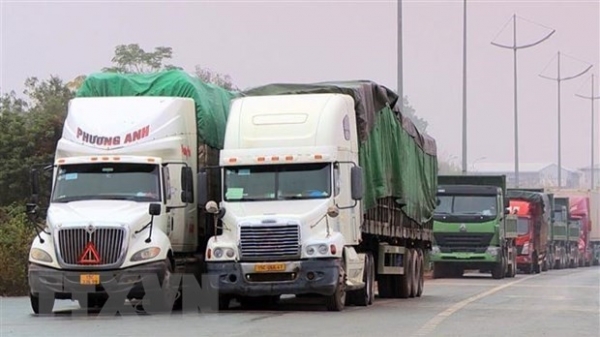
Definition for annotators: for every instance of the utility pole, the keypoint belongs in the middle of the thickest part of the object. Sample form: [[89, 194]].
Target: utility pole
[[464, 93], [592, 98], [400, 74], [559, 80], [514, 47]]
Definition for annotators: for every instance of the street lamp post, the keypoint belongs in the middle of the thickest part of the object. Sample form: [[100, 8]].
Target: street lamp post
[[400, 66], [464, 93], [592, 98], [514, 47], [558, 80]]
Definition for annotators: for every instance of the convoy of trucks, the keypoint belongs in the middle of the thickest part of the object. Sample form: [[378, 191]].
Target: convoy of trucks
[[323, 190], [320, 189]]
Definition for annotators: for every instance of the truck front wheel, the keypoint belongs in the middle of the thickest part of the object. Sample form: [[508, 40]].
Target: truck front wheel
[[163, 299], [41, 304], [337, 300], [364, 297]]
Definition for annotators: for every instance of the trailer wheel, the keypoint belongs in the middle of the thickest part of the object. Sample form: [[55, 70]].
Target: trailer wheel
[[416, 272], [337, 300], [41, 304], [364, 297], [421, 274], [403, 285]]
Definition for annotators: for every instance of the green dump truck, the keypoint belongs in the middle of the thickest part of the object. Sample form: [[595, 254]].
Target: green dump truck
[[472, 228]]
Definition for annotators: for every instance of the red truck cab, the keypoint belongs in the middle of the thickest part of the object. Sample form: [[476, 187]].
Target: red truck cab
[[527, 259], [580, 210]]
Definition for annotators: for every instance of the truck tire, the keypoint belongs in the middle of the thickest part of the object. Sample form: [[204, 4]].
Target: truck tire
[[364, 297], [163, 299], [536, 263], [498, 269], [403, 285], [421, 277], [337, 300], [416, 271], [41, 304]]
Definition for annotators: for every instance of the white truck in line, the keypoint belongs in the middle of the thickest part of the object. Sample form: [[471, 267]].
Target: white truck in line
[[327, 189], [123, 210]]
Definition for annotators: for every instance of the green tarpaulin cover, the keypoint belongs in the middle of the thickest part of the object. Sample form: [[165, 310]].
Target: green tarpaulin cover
[[212, 102], [397, 160]]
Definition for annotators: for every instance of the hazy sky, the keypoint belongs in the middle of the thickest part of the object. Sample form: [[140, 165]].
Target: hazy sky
[[258, 42]]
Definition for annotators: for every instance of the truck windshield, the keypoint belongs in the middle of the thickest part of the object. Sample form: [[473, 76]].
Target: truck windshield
[[522, 226], [467, 205], [278, 182], [108, 181]]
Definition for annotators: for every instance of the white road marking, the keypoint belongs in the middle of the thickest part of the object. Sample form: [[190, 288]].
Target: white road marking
[[428, 327]]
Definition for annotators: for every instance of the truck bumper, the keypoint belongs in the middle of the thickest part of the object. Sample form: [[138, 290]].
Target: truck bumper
[[65, 283], [299, 277], [524, 260], [465, 260]]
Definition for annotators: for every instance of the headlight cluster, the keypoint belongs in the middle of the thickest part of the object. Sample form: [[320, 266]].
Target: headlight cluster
[[145, 254], [40, 255], [321, 249], [493, 251], [435, 250], [220, 252]]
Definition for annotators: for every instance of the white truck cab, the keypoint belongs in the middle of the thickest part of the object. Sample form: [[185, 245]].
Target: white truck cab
[[291, 209], [121, 207]]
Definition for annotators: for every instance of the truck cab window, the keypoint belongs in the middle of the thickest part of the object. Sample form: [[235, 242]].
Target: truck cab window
[[278, 182], [107, 181]]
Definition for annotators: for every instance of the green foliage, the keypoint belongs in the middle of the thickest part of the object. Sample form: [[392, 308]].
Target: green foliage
[[210, 76], [410, 112], [448, 167], [16, 236], [29, 133], [131, 58]]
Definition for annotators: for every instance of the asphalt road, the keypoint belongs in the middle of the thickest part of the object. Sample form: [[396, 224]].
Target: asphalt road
[[556, 303]]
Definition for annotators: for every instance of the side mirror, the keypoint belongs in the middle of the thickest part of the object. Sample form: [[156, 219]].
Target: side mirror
[[202, 185], [187, 192], [31, 208], [356, 178], [154, 209], [212, 207], [506, 203], [438, 202]]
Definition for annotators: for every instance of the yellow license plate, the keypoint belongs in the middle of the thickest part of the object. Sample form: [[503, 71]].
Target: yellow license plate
[[270, 267], [89, 279]]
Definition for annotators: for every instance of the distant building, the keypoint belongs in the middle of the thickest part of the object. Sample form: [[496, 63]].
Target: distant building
[[586, 173], [532, 175]]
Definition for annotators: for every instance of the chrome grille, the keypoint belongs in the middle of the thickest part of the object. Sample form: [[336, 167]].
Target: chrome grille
[[108, 242], [272, 241]]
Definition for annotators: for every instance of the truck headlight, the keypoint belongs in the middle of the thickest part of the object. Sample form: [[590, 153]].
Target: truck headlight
[[220, 252], [435, 250], [493, 251], [145, 254], [322, 249], [40, 255]]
